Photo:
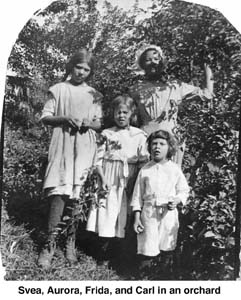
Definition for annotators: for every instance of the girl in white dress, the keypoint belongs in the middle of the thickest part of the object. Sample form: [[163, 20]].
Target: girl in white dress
[[74, 111], [119, 160], [159, 188]]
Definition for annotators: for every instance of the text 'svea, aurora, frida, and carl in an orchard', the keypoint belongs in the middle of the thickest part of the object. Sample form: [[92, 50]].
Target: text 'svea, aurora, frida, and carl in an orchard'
[[121, 145], [129, 290]]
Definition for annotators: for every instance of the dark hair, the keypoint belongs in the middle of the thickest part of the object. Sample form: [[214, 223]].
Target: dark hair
[[171, 141], [82, 56], [143, 57]]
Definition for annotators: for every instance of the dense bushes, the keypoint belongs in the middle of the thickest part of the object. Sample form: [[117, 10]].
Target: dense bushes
[[25, 156], [208, 228], [190, 35]]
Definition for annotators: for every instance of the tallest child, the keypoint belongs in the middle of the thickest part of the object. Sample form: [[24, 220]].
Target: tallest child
[[74, 111]]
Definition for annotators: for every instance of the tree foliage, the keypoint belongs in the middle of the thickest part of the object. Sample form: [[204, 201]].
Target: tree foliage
[[190, 36]]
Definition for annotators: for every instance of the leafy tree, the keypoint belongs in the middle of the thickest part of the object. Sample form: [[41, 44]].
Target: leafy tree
[[190, 36]]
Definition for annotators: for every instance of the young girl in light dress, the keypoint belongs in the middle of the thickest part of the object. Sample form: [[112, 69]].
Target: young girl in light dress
[[74, 111], [159, 188], [119, 160]]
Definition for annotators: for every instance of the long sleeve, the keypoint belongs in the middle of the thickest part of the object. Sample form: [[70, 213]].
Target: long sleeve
[[191, 90], [136, 201]]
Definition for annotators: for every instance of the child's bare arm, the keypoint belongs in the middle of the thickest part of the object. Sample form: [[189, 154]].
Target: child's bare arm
[[104, 182], [60, 120], [138, 226]]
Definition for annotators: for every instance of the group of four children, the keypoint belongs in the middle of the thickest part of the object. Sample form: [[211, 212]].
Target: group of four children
[[140, 175]]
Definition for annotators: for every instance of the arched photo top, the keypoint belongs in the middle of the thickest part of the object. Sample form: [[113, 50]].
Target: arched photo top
[[180, 63]]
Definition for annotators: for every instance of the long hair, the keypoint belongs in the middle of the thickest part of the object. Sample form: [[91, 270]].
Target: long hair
[[82, 56]]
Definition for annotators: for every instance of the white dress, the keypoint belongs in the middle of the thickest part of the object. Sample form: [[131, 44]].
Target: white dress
[[156, 185], [119, 166], [71, 154]]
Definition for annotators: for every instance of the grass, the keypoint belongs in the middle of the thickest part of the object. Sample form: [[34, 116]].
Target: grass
[[21, 243], [20, 253], [25, 215]]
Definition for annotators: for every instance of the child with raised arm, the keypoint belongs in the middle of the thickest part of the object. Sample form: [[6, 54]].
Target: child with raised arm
[[158, 99], [74, 111], [159, 188]]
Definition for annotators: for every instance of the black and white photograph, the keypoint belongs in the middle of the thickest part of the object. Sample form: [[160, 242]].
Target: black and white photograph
[[120, 146]]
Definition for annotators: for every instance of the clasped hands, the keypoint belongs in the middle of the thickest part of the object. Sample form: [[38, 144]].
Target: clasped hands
[[76, 125]]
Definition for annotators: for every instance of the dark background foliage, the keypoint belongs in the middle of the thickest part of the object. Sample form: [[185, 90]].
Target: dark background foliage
[[190, 35]]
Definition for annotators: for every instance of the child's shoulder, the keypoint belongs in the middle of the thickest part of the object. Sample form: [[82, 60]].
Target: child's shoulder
[[147, 166], [171, 164], [175, 83], [110, 131], [59, 85], [173, 168], [58, 88], [96, 94], [134, 131], [138, 85], [168, 165]]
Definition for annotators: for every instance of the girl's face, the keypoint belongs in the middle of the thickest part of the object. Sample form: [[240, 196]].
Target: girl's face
[[80, 73], [151, 63], [122, 116], [159, 149]]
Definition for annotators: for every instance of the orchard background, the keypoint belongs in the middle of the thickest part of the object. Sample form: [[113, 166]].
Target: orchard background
[[189, 35]]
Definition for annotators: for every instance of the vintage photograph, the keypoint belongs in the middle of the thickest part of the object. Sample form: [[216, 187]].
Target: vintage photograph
[[120, 144]]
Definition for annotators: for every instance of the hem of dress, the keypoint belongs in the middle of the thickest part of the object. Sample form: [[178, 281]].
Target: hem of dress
[[106, 235], [157, 253], [148, 254]]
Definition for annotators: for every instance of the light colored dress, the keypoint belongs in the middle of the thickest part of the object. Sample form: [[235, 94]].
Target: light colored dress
[[71, 154], [119, 167], [156, 185], [157, 106]]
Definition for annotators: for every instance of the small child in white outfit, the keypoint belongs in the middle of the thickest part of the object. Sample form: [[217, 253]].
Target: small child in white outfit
[[118, 166], [159, 188]]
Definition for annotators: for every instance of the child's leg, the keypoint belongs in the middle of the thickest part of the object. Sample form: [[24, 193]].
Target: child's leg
[[165, 265], [71, 232], [56, 209], [102, 249], [127, 249], [57, 204], [144, 265]]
